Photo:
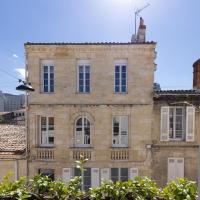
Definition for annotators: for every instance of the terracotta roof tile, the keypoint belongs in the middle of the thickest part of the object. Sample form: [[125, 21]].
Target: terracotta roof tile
[[12, 138], [177, 92]]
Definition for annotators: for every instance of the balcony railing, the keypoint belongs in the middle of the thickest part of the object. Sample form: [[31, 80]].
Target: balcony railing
[[119, 154], [45, 153], [78, 152]]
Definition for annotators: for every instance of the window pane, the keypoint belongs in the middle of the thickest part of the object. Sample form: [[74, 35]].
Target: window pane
[[87, 76], [87, 69], [123, 81], [51, 140], [51, 88], [80, 75], [77, 172], [123, 69], [87, 82], [43, 123], [51, 123], [116, 75], [81, 82], [45, 68], [114, 174], [124, 75], [124, 174], [87, 89], [116, 88], [51, 69], [117, 68], [46, 76], [80, 69], [80, 88], [123, 88]]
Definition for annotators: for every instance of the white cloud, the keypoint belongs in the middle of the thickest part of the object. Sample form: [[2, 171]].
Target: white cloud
[[21, 72], [15, 55]]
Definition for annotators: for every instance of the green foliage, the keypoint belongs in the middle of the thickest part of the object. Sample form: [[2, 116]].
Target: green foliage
[[182, 189], [43, 188], [13, 189], [138, 189]]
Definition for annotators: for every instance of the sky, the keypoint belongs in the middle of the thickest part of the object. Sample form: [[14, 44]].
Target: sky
[[173, 24]]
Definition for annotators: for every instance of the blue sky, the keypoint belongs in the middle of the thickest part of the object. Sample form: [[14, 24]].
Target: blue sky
[[173, 24]]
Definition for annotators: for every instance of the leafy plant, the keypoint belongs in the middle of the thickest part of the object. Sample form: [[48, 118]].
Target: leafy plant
[[181, 189]]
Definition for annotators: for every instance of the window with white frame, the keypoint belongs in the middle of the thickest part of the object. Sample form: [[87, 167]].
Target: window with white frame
[[86, 177], [82, 137], [120, 78], [119, 174], [47, 131], [177, 123], [83, 77], [47, 77], [120, 131]]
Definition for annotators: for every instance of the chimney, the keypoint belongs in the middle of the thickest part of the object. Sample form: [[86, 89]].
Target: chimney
[[196, 74], [141, 35]]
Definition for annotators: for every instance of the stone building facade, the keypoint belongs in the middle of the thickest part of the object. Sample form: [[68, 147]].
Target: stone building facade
[[98, 100]]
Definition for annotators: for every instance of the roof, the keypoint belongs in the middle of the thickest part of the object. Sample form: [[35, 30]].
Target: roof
[[12, 139], [87, 43], [176, 92]]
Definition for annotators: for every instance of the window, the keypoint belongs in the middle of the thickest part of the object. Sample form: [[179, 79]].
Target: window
[[120, 131], [82, 132], [48, 78], [47, 172], [120, 78], [177, 123], [47, 131], [175, 168], [119, 174], [86, 177], [83, 77]]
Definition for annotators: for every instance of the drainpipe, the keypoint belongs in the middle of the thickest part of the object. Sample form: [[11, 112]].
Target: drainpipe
[[16, 170]]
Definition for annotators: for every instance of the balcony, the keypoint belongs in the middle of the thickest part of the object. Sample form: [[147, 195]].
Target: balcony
[[119, 154], [78, 152], [45, 153]]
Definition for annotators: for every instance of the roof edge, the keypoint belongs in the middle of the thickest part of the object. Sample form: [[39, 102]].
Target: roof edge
[[88, 43]]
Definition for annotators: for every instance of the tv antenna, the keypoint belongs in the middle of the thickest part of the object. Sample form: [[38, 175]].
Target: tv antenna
[[137, 14]]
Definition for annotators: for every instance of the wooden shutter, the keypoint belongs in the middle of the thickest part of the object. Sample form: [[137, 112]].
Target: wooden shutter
[[133, 173], [105, 175], [190, 121], [95, 177], [164, 125], [171, 169], [66, 176], [179, 167]]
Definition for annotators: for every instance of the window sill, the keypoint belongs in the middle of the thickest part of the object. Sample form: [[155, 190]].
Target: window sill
[[83, 92], [80, 147], [46, 147], [121, 93], [113, 147], [47, 92]]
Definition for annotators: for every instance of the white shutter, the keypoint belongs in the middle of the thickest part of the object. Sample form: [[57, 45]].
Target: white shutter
[[179, 167], [124, 130], [171, 169], [66, 176], [105, 175], [164, 125], [133, 173], [95, 177], [190, 120]]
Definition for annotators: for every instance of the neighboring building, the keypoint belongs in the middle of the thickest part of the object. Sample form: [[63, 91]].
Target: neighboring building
[[12, 151], [11, 102], [16, 117], [175, 133], [91, 99]]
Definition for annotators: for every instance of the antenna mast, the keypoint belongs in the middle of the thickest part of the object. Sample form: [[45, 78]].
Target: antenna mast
[[137, 14]]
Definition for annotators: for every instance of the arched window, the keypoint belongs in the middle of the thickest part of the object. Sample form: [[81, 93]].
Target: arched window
[[82, 137]]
